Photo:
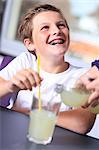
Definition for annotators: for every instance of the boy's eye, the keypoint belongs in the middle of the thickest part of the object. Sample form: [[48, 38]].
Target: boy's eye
[[61, 25], [45, 28]]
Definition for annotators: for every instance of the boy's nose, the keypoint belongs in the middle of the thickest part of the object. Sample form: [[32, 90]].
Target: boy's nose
[[55, 30]]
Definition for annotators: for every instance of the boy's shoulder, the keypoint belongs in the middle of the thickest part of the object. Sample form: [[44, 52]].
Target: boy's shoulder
[[27, 55], [25, 59]]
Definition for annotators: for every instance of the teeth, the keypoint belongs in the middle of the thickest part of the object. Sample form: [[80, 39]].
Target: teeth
[[53, 43], [57, 42]]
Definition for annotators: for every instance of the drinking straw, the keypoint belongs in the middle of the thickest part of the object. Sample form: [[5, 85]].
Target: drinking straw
[[39, 92]]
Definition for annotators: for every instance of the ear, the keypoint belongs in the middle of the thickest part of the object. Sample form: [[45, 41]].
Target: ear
[[29, 44]]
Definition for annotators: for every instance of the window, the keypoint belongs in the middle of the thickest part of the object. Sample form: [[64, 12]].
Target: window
[[83, 21]]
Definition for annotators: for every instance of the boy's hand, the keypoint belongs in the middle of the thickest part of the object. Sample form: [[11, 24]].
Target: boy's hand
[[91, 81], [24, 80]]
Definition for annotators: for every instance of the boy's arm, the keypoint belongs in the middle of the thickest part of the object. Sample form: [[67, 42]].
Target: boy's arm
[[21, 110], [78, 120], [22, 80], [4, 87]]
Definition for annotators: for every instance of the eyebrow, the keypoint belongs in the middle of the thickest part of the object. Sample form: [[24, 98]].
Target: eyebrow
[[46, 23]]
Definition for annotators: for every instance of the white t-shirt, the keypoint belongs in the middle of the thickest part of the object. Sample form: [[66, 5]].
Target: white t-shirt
[[28, 60]]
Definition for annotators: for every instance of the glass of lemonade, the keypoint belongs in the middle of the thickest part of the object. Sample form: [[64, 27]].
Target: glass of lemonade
[[42, 122], [73, 95], [95, 109]]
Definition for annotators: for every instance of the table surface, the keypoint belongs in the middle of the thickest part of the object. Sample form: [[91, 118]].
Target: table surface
[[13, 132]]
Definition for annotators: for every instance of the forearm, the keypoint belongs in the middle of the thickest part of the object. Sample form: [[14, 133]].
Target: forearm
[[78, 120], [21, 110], [4, 87]]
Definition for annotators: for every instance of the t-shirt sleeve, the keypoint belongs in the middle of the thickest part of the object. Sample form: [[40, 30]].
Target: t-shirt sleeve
[[23, 61]]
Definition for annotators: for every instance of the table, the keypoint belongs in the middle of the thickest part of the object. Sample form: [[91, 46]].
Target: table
[[13, 132]]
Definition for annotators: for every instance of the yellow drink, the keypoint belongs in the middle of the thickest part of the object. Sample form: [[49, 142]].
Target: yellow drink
[[95, 109], [74, 97], [42, 124]]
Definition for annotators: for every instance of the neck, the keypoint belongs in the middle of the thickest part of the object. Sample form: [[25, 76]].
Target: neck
[[54, 67]]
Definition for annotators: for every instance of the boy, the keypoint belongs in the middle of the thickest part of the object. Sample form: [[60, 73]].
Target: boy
[[45, 33]]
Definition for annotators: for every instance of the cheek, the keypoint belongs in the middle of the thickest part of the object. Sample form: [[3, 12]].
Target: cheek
[[38, 38], [39, 44]]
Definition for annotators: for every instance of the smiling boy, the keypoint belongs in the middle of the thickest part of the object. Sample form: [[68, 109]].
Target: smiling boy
[[45, 33]]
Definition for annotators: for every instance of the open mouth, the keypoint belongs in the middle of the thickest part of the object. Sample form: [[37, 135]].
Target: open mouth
[[57, 41]]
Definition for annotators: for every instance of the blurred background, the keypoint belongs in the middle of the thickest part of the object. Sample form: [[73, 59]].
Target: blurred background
[[83, 20], [82, 17]]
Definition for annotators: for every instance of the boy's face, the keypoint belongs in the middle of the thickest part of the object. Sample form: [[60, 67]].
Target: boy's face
[[50, 34]]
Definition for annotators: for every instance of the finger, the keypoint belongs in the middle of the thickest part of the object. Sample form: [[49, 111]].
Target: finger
[[90, 75], [29, 78], [93, 97], [85, 105], [17, 84], [26, 82], [83, 80], [95, 103], [36, 76], [22, 81], [38, 79], [94, 85], [33, 79]]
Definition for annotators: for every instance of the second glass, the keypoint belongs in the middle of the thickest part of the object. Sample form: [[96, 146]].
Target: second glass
[[73, 95], [42, 122]]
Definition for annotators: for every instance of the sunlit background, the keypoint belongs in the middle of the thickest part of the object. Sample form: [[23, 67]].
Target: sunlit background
[[82, 17]]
